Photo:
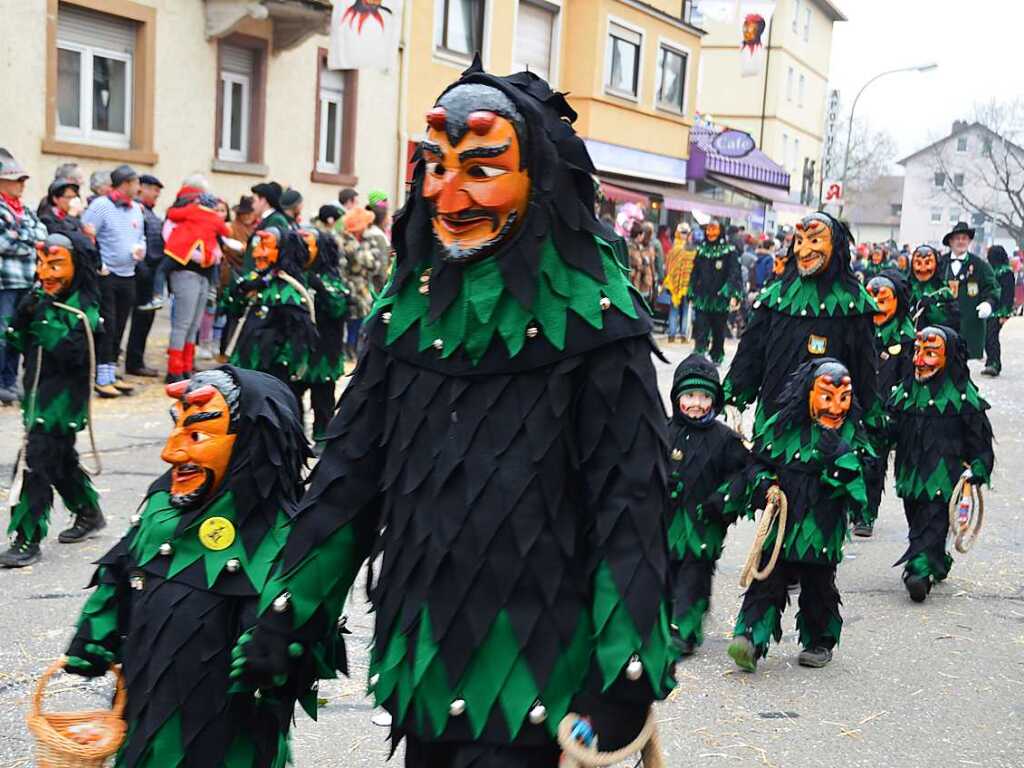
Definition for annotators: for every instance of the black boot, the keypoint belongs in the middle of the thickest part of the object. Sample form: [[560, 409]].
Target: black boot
[[87, 524], [21, 553], [990, 370], [814, 657], [863, 530], [918, 587]]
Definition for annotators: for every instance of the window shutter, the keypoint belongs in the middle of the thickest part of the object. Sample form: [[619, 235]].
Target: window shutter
[[624, 34], [238, 60], [95, 30], [533, 39]]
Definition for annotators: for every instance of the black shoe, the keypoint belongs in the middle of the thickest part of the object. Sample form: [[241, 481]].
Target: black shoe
[[814, 657], [21, 554], [8, 395], [86, 525], [863, 530], [918, 587], [146, 373], [990, 370], [686, 647]]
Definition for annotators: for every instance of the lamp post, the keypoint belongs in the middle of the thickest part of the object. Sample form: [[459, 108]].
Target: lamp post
[[849, 132]]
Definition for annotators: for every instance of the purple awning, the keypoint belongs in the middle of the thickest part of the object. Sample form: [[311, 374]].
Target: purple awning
[[755, 167]]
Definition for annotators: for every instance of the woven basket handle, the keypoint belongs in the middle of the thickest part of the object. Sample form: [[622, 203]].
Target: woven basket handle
[[120, 694]]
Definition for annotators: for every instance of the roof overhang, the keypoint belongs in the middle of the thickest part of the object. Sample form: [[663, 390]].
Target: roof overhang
[[294, 21], [831, 10]]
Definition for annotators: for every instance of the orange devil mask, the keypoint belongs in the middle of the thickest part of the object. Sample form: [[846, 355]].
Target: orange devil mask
[[923, 264], [265, 249], [476, 180], [929, 353], [812, 246], [830, 399], [877, 256], [712, 232], [312, 247], [55, 267], [779, 261], [884, 293], [200, 445]]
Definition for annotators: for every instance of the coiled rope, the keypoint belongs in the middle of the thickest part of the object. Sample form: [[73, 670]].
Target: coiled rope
[[965, 530], [577, 755], [775, 510]]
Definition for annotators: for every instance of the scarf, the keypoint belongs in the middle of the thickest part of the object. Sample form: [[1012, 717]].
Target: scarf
[[14, 203], [120, 199]]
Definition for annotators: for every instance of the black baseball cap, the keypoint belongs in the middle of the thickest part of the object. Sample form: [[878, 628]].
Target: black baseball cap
[[121, 174], [150, 179], [269, 191]]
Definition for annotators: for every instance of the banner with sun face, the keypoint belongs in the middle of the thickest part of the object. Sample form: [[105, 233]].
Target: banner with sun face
[[754, 19], [364, 34]]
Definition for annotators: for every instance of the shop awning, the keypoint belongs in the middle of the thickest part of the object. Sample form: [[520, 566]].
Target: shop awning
[[623, 195], [635, 163], [706, 206], [760, 192], [753, 166]]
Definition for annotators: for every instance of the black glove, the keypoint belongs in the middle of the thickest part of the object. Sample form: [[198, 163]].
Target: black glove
[[313, 281], [29, 303]]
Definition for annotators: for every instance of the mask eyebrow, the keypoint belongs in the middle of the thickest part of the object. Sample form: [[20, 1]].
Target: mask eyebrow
[[434, 149], [484, 152], [196, 418]]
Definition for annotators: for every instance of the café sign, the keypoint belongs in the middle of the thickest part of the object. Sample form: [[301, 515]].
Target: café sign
[[733, 143]]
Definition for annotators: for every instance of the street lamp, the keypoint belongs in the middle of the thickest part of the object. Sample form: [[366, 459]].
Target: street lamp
[[849, 132]]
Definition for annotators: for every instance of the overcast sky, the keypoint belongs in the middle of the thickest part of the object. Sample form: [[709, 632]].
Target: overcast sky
[[978, 45]]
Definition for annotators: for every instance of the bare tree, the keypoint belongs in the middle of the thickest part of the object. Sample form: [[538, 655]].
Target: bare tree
[[987, 180], [872, 154]]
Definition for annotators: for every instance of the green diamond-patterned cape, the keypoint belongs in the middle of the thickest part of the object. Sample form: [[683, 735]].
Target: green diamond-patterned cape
[[278, 334], [327, 360], [716, 278]]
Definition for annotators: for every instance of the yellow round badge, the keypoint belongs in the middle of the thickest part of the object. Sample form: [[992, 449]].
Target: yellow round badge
[[216, 533]]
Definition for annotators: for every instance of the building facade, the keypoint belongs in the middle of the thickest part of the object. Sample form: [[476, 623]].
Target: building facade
[[236, 90], [874, 214], [957, 161], [783, 106]]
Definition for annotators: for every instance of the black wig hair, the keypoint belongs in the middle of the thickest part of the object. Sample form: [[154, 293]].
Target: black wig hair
[[894, 279], [956, 356], [85, 280], [793, 402]]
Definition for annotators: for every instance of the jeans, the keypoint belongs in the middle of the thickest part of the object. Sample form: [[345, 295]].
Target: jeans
[[117, 300], [9, 298]]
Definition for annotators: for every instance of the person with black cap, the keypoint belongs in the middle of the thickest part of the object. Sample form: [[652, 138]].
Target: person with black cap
[[973, 284], [291, 205], [1003, 274], [120, 237], [150, 188], [57, 212], [266, 202]]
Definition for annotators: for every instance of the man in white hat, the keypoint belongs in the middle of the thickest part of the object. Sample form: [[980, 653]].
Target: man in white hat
[[20, 230]]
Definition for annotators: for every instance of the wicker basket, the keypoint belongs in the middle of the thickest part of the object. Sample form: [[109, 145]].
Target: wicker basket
[[54, 731]]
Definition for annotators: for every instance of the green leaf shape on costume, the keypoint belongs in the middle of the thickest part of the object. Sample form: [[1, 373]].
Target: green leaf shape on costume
[[333, 298], [921, 565], [762, 630], [946, 399], [159, 524], [685, 538], [498, 675], [484, 308], [326, 368], [32, 527], [912, 484], [98, 620], [833, 630], [58, 415], [896, 331], [802, 297], [691, 623]]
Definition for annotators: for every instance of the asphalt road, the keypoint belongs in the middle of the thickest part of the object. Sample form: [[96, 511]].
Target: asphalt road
[[939, 684]]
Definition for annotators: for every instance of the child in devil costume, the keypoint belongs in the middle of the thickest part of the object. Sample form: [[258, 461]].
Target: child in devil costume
[[941, 433], [715, 290], [326, 363], [817, 308], [501, 448], [894, 345], [704, 455], [176, 593], [276, 332], [55, 345], [812, 448], [931, 301]]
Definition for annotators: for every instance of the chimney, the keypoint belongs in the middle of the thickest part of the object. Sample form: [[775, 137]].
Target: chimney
[[958, 125]]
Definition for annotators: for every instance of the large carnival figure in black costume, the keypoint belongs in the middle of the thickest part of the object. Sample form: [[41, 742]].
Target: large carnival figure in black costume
[[173, 597], [501, 446], [817, 308]]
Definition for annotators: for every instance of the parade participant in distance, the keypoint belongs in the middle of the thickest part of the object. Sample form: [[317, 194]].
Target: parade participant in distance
[[1003, 311], [812, 448], [816, 308], [507, 383], [55, 408], [974, 287], [175, 594], [704, 454], [716, 287], [931, 300], [940, 432]]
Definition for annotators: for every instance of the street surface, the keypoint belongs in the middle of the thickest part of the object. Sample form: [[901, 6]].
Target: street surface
[[939, 684]]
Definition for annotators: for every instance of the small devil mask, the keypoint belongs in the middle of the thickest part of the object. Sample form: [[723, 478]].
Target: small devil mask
[[712, 231], [312, 247], [929, 353], [265, 249], [779, 261], [201, 443], [924, 263], [55, 267], [476, 180], [877, 256], [884, 293], [812, 245], [831, 396]]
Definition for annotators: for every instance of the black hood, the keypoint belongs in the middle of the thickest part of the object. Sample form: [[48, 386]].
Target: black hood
[[794, 408], [839, 266], [84, 282], [997, 256], [696, 369], [561, 200], [328, 257], [900, 288]]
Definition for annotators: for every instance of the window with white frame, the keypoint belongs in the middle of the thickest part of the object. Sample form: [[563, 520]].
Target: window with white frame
[[237, 77], [801, 88], [459, 27], [961, 144], [807, 25], [671, 85], [954, 215], [790, 76], [940, 179], [94, 76], [796, 15], [958, 180], [936, 215], [535, 38], [332, 120], [623, 60]]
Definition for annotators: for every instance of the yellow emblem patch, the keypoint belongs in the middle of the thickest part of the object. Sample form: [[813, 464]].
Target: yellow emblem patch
[[216, 533], [954, 287], [972, 289], [895, 349], [817, 345]]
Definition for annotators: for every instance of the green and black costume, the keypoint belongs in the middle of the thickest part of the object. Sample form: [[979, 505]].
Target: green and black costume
[[169, 608], [703, 456], [820, 471], [278, 333], [939, 429], [501, 446], [56, 404], [1003, 274], [715, 282], [797, 319]]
